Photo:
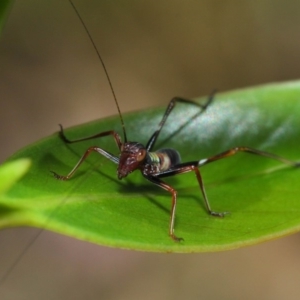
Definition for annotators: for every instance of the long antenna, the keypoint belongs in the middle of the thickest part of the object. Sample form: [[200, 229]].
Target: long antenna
[[31, 242], [103, 65]]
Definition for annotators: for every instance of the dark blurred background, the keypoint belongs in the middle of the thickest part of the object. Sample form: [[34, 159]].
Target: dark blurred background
[[153, 50]]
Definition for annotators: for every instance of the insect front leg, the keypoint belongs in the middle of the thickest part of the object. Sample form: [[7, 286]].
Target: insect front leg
[[83, 158], [98, 135], [168, 188], [169, 109], [106, 154]]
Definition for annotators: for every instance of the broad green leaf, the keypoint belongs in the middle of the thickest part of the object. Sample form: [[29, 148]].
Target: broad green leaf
[[262, 195], [11, 172]]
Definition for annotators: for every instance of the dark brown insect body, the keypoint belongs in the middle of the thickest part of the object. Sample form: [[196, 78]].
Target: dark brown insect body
[[155, 165], [135, 156]]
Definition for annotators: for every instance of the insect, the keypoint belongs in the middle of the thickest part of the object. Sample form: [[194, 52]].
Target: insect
[[155, 165]]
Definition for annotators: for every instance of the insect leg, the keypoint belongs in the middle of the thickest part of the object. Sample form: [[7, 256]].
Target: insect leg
[[101, 134], [169, 109], [168, 188], [84, 156], [89, 150], [193, 167], [235, 150]]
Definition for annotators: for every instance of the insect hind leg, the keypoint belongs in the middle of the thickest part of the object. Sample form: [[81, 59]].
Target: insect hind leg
[[249, 150]]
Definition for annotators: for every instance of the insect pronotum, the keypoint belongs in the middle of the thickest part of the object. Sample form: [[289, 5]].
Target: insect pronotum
[[157, 164]]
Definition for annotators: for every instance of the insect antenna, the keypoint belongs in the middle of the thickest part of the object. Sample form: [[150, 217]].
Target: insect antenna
[[104, 67], [8, 272]]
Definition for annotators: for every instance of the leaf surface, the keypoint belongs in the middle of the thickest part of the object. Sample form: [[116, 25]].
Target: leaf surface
[[261, 194]]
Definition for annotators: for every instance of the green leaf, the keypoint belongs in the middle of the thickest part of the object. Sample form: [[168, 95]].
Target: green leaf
[[11, 172], [4, 8], [261, 194]]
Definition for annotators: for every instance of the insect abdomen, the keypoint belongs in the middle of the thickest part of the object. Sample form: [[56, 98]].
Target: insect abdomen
[[163, 159]]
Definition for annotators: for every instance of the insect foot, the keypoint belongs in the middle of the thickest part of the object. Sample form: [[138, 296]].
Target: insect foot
[[59, 177], [176, 239], [219, 214]]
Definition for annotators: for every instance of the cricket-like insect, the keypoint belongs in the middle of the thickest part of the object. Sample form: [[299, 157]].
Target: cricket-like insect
[[155, 165]]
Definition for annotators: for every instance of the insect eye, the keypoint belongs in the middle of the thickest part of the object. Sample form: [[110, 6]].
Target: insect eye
[[141, 155]]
